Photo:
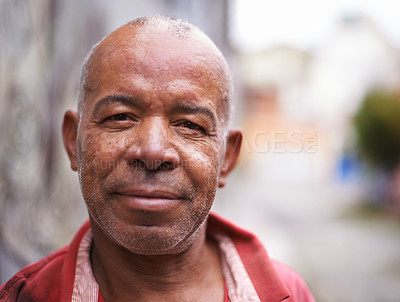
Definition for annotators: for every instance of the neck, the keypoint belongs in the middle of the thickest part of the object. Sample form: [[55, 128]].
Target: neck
[[123, 275]]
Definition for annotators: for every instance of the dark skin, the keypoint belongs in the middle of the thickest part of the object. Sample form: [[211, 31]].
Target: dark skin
[[151, 147], [194, 273]]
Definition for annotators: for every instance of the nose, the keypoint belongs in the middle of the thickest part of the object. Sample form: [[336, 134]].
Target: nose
[[151, 148]]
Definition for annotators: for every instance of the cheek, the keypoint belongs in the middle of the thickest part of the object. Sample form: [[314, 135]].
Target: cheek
[[98, 156], [203, 165]]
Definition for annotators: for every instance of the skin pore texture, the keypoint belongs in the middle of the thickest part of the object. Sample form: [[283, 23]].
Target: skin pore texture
[[151, 146]]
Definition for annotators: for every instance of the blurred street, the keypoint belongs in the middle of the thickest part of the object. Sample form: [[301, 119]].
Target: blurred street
[[345, 253]]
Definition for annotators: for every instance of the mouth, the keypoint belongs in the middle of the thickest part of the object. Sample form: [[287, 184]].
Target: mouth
[[149, 200]]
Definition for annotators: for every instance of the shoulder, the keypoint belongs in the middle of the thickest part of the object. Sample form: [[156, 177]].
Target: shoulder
[[38, 282], [273, 280], [49, 279], [298, 289]]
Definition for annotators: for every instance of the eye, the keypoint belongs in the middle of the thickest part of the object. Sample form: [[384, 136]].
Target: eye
[[119, 121], [120, 117], [192, 126]]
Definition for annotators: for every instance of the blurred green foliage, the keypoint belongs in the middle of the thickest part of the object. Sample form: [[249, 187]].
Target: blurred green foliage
[[377, 124]]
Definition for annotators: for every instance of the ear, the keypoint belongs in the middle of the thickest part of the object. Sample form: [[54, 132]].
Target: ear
[[233, 145], [70, 132]]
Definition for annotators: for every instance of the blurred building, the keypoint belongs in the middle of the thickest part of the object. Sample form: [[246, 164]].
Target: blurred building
[[354, 59], [293, 96]]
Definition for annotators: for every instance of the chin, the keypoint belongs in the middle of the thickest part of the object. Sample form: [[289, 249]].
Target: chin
[[180, 248], [152, 241]]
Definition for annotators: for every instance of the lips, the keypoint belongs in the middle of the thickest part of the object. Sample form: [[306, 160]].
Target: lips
[[149, 200]]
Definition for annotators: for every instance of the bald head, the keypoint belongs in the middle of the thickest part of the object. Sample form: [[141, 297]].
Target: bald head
[[146, 34]]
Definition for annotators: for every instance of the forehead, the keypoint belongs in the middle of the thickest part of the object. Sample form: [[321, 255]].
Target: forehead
[[158, 55]]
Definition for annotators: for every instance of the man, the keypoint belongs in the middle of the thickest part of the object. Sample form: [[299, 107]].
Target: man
[[151, 144]]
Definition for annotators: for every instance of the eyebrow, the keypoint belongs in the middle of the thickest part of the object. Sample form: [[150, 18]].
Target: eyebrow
[[189, 109], [130, 101], [112, 99]]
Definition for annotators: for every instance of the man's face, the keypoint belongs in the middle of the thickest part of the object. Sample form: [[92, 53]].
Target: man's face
[[151, 140]]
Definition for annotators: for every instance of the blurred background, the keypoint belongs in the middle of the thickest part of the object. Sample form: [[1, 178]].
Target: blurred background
[[318, 98]]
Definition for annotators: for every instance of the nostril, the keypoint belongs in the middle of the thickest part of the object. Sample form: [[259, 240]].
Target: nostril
[[165, 166]]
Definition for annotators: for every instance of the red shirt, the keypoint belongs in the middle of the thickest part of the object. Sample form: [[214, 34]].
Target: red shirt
[[52, 278]]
